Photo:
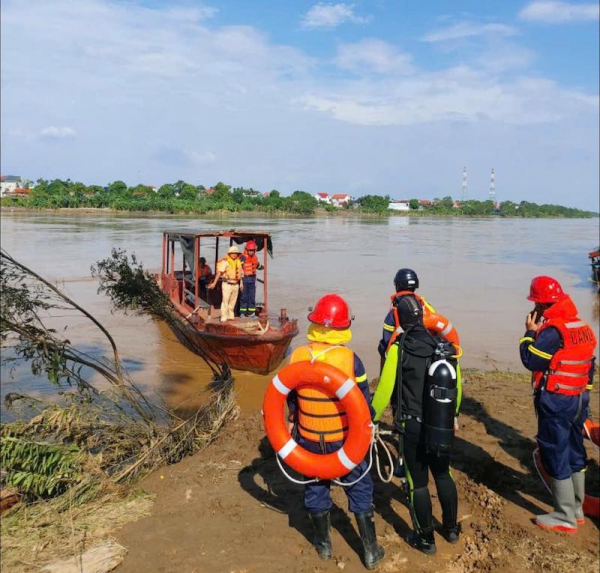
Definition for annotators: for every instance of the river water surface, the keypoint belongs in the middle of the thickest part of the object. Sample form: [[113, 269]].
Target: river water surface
[[474, 271]]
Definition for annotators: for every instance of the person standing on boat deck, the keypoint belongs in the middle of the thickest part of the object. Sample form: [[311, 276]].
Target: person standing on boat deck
[[558, 347], [205, 273], [229, 271], [250, 265], [321, 426]]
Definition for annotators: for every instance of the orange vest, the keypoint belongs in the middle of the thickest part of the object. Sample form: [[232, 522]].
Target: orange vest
[[320, 417], [433, 321], [569, 369], [250, 264], [205, 272], [234, 269]]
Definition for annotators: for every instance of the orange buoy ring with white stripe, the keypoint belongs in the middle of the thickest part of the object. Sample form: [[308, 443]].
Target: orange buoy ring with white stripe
[[335, 383]]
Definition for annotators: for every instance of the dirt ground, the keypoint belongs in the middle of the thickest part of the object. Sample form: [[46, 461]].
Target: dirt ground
[[229, 509]]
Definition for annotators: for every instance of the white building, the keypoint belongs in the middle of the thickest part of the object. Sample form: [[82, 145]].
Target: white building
[[8, 184], [399, 205], [323, 197], [340, 199]]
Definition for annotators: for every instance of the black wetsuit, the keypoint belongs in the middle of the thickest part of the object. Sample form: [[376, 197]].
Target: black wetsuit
[[416, 356]]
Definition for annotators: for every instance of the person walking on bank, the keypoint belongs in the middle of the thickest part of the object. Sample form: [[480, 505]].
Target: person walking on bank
[[425, 432], [250, 265], [321, 426], [558, 347], [229, 271]]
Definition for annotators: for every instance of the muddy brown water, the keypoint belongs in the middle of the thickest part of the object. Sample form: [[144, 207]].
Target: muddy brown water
[[475, 271]]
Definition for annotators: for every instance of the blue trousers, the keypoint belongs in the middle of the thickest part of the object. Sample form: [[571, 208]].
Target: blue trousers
[[248, 295], [560, 427], [317, 496]]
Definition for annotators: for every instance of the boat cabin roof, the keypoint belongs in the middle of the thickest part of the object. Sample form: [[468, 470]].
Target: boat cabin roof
[[233, 234]]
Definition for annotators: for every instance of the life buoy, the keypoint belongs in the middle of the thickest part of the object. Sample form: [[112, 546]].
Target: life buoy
[[591, 504], [334, 382]]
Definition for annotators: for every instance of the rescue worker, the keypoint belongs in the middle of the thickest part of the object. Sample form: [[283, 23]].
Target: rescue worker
[[250, 264], [321, 426], [558, 347], [205, 273], [418, 352], [229, 272], [406, 281]]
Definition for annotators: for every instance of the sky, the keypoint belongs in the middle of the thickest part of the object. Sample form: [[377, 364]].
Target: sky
[[367, 97]]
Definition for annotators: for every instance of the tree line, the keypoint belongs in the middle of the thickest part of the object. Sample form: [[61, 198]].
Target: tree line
[[182, 197]]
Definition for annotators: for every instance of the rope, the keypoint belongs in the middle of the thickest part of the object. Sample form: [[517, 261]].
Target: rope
[[373, 449]]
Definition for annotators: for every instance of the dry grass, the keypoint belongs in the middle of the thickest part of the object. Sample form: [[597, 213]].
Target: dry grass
[[40, 533]]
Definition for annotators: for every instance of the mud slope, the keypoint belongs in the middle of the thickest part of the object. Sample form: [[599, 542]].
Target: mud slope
[[230, 510]]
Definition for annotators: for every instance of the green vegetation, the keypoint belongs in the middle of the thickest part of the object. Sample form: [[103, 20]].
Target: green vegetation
[[182, 197]]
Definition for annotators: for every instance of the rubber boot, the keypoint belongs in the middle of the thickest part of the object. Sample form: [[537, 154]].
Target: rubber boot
[[563, 517], [374, 553], [424, 541], [579, 488], [322, 539], [451, 533]]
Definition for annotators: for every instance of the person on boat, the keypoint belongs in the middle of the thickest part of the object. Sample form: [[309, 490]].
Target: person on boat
[[250, 264], [406, 282], [417, 447], [319, 425], [229, 272], [205, 273], [558, 347]]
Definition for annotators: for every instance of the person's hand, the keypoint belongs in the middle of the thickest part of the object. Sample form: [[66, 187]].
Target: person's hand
[[211, 286], [241, 286], [290, 427], [531, 322]]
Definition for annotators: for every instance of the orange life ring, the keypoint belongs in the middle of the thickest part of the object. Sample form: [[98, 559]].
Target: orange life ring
[[591, 504], [334, 382]]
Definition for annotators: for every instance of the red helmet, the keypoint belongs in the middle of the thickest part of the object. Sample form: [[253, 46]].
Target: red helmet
[[332, 311], [545, 289], [251, 246]]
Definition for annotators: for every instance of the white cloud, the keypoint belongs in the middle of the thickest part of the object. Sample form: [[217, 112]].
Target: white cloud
[[556, 12], [373, 55], [53, 132], [468, 30], [332, 15]]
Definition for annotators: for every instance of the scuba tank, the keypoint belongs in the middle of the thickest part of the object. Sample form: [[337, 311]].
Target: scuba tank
[[441, 394]]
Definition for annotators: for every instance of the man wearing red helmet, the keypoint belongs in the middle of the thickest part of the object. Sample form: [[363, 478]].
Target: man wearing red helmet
[[321, 426], [558, 347], [250, 265]]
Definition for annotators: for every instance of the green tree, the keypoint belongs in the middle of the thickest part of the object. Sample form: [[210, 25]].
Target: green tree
[[414, 204]]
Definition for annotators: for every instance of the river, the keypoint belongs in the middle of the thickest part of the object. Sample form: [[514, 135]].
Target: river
[[474, 271]]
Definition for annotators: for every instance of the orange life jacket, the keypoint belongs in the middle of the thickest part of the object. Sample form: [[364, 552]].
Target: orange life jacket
[[250, 264], [233, 272], [320, 417], [433, 321], [569, 368], [205, 272]]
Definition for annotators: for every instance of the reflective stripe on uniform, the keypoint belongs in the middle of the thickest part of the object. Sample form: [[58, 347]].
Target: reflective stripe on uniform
[[577, 324], [360, 379], [540, 353], [526, 339], [569, 374], [287, 449], [280, 386], [346, 461], [575, 361], [388, 327]]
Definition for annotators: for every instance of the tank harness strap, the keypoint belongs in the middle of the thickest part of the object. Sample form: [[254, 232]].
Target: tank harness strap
[[440, 393]]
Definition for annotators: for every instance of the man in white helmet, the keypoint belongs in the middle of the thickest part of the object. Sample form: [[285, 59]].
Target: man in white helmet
[[229, 272]]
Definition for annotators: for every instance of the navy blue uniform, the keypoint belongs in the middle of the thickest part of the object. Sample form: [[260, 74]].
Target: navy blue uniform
[[389, 326], [248, 294], [560, 417], [317, 497]]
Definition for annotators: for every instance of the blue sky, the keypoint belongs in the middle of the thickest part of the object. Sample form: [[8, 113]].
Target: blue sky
[[387, 97]]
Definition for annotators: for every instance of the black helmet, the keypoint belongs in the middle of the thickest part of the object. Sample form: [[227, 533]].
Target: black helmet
[[406, 279], [410, 311]]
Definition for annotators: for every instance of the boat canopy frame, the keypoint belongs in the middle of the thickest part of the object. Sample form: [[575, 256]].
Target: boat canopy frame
[[191, 244]]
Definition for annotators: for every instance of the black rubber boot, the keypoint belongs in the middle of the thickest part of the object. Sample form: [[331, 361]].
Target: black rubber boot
[[451, 533], [374, 553], [322, 539], [423, 541]]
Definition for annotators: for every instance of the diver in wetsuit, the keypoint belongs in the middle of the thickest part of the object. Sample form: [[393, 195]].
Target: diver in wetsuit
[[414, 419]]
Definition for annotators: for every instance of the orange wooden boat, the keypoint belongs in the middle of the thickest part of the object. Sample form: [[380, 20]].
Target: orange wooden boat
[[257, 343]]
